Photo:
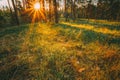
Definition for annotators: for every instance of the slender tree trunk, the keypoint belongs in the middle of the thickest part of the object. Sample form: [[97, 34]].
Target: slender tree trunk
[[71, 1], [88, 12], [43, 10], [10, 10], [50, 8], [55, 11], [24, 6], [65, 10], [74, 10], [10, 7], [16, 15]]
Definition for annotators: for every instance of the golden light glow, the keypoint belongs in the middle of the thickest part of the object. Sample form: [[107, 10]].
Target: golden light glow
[[92, 28], [35, 12], [37, 6]]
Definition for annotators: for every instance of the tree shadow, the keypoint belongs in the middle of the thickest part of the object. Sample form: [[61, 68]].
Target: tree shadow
[[15, 71], [15, 30], [12, 68], [110, 65], [88, 36], [98, 25]]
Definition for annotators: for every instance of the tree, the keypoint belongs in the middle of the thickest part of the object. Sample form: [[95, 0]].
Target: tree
[[43, 10], [90, 10], [55, 11], [108, 9], [9, 7], [73, 9], [16, 15], [114, 9], [65, 10], [24, 4], [50, 3]]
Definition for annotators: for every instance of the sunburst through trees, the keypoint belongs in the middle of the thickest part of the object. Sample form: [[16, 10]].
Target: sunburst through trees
[[34, 10]]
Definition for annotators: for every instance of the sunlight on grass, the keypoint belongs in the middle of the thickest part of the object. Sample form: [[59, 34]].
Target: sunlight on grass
[[103, 21], [56, 52], [89, 27]]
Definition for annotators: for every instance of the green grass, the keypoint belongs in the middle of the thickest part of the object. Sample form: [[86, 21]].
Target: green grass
[[65, 51]]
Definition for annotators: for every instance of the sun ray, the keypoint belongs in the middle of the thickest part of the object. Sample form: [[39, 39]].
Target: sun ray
[[35, 12], [31, 13]]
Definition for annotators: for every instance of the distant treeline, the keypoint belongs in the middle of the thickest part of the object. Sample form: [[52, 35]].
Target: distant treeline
[[52, 10]]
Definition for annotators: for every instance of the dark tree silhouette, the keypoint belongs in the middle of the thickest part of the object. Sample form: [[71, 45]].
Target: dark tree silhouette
[[55, 11], [16, 15], [50, 8]]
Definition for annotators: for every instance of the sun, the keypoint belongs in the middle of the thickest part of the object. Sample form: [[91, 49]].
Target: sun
[[37, 6], [35, 12]]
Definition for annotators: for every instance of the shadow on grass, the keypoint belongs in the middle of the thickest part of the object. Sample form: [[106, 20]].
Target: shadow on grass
[[15, 71], [111, 65], [12, 68], [14, 30], [88, 36], [98, 25], [3, 54]]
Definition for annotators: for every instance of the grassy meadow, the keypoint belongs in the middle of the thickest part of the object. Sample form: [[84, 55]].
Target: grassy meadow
[[81, 50]]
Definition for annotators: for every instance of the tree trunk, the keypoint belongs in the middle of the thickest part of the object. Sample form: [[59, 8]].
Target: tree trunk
[[50, 8], [65, 10], [43, 10], [11, 13], [73, 10], [55, 11], [71, 1], [16, 15], [24, 2], [10, 7]]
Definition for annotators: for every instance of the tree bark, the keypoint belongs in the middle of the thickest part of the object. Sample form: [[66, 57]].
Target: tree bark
[[55, 11], [43, 10], [65, 10], [10, 7], [16, 15], [74, 10], [24, 2], [50, 8]]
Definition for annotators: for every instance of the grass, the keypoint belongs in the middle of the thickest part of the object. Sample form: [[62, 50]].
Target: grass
[[65, 51]]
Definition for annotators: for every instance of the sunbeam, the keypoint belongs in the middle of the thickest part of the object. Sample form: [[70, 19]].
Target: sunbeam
[[35, 12]]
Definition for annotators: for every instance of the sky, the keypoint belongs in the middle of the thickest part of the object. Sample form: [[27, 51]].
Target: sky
[[3, 3]]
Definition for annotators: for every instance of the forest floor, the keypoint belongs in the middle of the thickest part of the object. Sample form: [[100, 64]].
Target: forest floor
[[81, 50]]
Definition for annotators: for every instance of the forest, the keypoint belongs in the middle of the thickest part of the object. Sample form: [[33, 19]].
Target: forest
[[60, 40]]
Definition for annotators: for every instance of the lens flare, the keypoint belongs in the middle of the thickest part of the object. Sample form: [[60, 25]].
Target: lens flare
[[35, 12], [37, 6]]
